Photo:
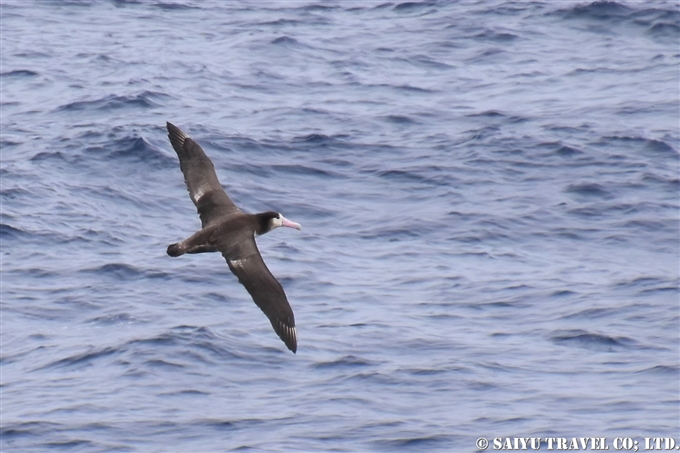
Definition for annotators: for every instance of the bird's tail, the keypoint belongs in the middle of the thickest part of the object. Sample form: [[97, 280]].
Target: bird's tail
[[174, 250]]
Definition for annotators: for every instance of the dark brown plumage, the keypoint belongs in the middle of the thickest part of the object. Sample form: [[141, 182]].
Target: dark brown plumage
[[228, 230]]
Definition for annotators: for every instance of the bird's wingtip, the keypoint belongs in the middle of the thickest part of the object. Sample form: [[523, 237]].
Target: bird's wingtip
[[175, 133], [289, 336]]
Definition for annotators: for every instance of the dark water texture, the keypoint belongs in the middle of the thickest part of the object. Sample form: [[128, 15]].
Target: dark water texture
[[489, 195]]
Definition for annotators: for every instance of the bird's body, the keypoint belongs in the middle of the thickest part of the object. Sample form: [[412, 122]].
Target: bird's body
[[228, 230]]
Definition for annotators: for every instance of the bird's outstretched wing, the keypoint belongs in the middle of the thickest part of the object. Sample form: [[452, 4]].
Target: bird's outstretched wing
[[266, 291], [211, 201]]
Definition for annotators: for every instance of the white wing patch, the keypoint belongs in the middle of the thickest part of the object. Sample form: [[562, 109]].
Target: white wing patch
[[236, 263], [198, 194], [290, 331]]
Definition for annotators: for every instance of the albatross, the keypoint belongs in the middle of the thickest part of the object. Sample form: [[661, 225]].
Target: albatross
[[230, 231]]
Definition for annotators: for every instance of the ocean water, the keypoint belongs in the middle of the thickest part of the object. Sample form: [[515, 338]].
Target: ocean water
[[490, 199]]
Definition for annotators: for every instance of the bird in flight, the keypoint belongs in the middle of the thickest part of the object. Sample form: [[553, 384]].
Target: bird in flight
[[230, 231]]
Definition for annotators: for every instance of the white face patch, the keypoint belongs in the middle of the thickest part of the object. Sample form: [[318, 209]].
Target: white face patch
[[277, 222]]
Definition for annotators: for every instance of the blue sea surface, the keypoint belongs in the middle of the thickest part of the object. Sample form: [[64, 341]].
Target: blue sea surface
[[490, 201]]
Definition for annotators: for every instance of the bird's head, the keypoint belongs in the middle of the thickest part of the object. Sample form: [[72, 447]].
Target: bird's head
[[271, 220]]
